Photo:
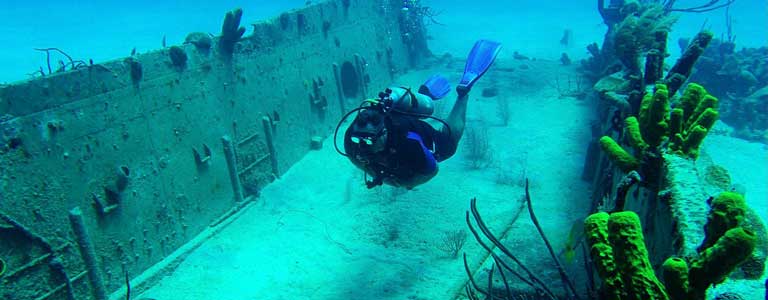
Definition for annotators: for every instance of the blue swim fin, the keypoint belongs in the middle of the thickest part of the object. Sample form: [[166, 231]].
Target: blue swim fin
[[435, 87], [479, 60]]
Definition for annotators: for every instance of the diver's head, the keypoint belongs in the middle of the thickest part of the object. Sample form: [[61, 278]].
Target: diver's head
[[369, 131]]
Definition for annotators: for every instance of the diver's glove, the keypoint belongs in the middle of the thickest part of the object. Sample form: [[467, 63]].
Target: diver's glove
[[377, 181]]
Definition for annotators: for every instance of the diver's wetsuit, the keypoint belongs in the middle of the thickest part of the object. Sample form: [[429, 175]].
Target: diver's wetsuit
[[410, 156], [388, 138]]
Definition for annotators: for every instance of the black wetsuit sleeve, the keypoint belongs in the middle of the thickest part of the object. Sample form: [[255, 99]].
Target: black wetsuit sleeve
[[416, 155]]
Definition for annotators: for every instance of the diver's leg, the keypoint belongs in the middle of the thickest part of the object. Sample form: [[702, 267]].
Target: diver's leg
[[480, 59], [449, 137]]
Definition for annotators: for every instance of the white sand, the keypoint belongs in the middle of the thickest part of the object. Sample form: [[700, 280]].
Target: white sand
[[305, 239]]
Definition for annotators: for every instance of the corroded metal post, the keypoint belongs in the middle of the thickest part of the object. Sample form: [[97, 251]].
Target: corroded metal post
[[229, 155], [360, 66], [267, 122], [339, 89], [88, 253]]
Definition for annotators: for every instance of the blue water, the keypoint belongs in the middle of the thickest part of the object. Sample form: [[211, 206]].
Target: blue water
[[105, 30]]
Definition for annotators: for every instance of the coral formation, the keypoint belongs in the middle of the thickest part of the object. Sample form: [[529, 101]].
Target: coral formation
[[656, 130], [749, 116], [684, 65], [654, 126], [726, 71], [137, 72], [598, 64], [618, 251], [625, 161], [716, 262], [740, 77], [726, 212], [231, 31], [178, 56], [717, 176], [675, 272], [653, 119], [411, 22], [645, 28], [201, 40], [691, 122]]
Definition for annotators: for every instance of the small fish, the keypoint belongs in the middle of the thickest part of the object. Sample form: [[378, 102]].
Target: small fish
[[163, 41], [575, 237], [133, 52]]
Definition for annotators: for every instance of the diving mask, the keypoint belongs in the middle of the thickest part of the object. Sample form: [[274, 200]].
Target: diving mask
[[362, 140], [368, 129]]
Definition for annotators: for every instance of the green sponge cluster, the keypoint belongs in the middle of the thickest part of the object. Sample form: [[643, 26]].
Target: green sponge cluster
[[691, 120], [684, 127], [617, 249], [652, 124], [726, 245], [620, 157], [727, 211]]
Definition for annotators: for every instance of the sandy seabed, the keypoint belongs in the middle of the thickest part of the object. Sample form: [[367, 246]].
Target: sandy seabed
[[318, 233]]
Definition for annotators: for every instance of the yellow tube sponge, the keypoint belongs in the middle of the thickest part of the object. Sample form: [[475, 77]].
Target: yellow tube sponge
[[693, 141], [633, 132], [654, 116], [726, 211], [626, 237], [716, 262], [596, 234], [618, 251], [706, 119], [625, 161], [707, 102], [690, 99], [675, 272]]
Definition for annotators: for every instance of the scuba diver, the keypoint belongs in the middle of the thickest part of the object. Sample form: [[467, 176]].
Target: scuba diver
[[389, 138]]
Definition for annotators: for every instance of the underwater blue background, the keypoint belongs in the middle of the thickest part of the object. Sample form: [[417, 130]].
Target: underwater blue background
[[106, 30]]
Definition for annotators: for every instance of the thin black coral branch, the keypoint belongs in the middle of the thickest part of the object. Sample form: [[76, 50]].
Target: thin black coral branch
[[567, 283]]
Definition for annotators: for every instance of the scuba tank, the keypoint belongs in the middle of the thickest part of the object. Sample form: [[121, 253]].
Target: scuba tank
[[403, 100]]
